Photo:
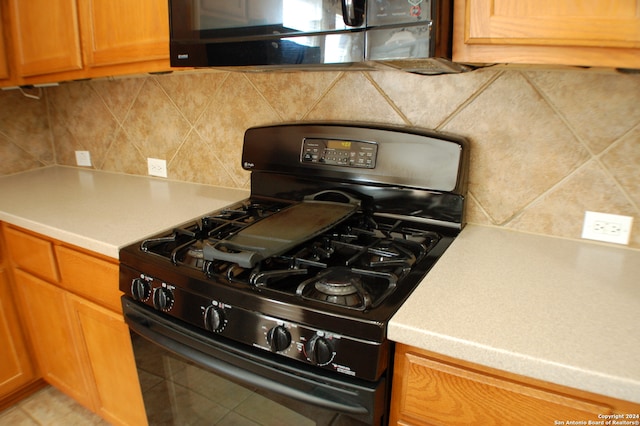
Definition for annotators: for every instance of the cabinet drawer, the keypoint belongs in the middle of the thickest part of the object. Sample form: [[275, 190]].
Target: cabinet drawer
[[32, 254], [88, 276]]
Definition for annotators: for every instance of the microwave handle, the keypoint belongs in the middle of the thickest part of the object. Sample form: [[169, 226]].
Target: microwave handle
[[353, 12]]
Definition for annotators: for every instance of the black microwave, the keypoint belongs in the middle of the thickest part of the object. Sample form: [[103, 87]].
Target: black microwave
[[407, 34]]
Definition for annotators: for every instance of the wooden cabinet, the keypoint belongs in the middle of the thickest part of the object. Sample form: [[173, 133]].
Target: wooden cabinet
[[122, 31], [107, 345], [71, 305], [430, 389], [47, 316], [4, 63], [32, 254], [58, 40], [586, 33], [80, 272], [46, 36], [17, 372]]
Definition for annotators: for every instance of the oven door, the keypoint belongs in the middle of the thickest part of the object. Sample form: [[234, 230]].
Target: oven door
[[188, 377]]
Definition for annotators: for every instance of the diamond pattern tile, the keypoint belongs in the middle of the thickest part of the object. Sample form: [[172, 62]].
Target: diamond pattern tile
[[119, 94], [429, 100], [519, 146], [192, 92], [20, 115], [355, 98], [599, 107], [560, 212], [545, 145], [623, 162], [83, 118], [291, 95], [236, 107], [154, 124]]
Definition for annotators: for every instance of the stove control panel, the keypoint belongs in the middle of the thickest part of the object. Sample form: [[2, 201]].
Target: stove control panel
[[302, 342], [345, 153]]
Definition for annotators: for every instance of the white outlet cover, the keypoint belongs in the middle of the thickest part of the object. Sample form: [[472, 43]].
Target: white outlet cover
[[83, 158], [610, 228], [157, 167]]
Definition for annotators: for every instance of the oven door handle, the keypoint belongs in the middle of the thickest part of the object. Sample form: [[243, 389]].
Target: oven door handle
[[143, 327]]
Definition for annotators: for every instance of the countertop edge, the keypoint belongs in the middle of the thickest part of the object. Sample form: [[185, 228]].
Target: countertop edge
[[99, 247], [517, 363]]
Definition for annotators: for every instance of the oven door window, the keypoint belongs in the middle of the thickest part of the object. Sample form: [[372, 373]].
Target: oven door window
[[179, 392], [186, 379]]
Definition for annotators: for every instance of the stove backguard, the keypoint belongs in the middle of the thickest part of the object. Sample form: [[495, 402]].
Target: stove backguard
[[391, 156]]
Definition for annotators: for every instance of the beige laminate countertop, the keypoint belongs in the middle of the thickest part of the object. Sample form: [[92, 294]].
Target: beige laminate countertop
[[103, 211], [563, 311]]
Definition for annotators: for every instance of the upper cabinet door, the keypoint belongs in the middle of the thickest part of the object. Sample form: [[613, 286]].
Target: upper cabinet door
[[125, 31], [566, 32], [46, 36], [4, 66], [567, 22]]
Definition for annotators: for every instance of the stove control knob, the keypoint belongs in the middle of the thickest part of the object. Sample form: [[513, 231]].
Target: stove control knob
[[320, 350], [163, 298], [140, 289], [279, 338], [214, 319]]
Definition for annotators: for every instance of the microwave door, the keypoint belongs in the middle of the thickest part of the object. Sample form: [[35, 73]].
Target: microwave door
[[217, 17], [266, 32]]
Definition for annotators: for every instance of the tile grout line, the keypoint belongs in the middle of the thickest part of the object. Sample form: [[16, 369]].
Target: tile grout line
[[606, 169], [264, 98], [177, 108], [469, 100], [387, 98], [120, 124], [596, 157], [328, 89]]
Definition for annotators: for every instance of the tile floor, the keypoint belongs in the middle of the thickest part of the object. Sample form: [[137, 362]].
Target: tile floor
[[49, 407]]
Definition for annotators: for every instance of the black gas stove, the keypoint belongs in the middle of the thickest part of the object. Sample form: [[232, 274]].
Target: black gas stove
[[342, 223]]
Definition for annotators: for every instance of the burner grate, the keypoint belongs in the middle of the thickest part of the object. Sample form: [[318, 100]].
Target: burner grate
[[355, 265]]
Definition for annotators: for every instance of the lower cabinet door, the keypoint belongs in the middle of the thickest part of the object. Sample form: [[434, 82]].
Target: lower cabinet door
[[16, 368], [107, 343], [57, 349]]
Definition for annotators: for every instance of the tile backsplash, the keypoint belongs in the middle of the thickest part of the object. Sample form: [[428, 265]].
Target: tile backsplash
[[545, 145]]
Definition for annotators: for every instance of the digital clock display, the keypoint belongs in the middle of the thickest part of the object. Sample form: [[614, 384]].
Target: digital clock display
[[339, 152], [334, 144]]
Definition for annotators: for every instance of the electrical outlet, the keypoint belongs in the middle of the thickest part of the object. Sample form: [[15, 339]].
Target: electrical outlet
[[610, 228], [157, 167], [83, 158]]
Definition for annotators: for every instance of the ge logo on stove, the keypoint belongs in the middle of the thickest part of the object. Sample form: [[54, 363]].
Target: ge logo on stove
[[248, 165]]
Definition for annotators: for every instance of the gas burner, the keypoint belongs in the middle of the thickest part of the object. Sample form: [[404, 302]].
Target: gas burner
[[391, 253], [190, 255], [339, 286], [348, 287]]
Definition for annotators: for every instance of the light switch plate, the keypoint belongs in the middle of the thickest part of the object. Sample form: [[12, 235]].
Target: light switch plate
[[83, 158], [610, 228]]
